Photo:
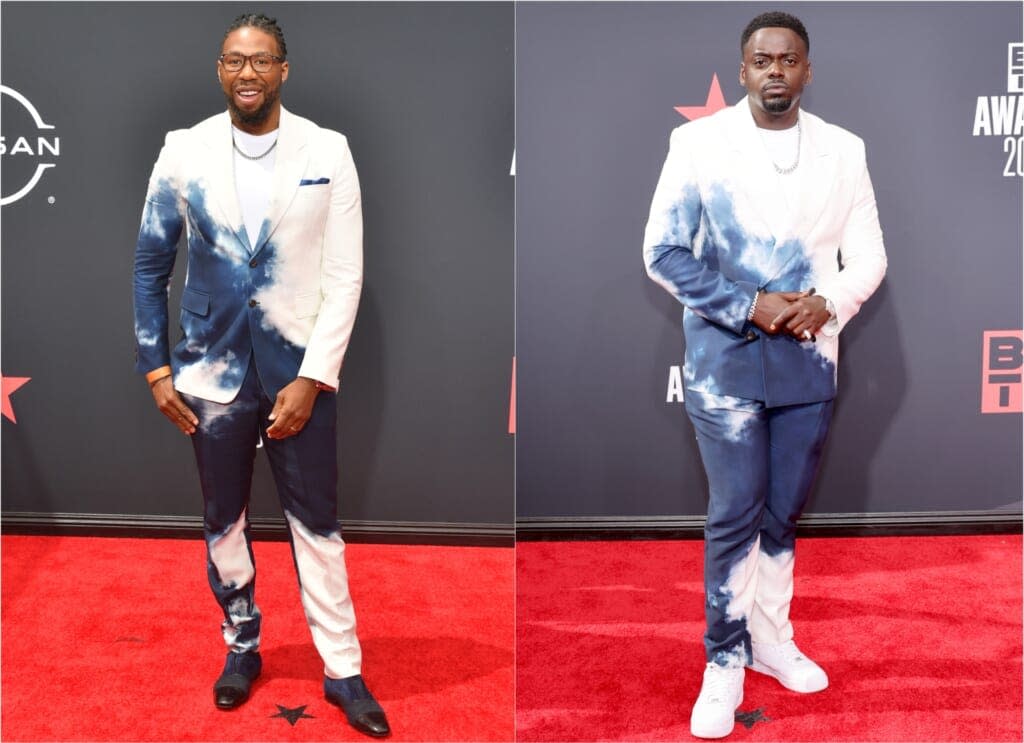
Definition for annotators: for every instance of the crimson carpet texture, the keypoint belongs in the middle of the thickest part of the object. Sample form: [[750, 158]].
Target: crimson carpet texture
[[921, 638], [119, 639]]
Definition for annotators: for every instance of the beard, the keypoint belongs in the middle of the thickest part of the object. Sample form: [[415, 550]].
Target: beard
[[252, 118], [777, 104]]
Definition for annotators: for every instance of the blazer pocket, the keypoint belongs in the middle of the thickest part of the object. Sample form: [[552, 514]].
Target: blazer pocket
[[307, 305], [314, 181], [195, 302]]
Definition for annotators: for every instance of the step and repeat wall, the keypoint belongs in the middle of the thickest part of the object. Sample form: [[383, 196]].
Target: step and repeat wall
[[424, 93], [928, 413]]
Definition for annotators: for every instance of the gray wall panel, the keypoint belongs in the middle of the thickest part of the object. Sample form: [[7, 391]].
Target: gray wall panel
[[597, 84], [424, 91]]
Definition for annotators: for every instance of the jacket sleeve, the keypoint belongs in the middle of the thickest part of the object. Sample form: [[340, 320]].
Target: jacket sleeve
[[162, 219], [672, 230], [862, 252], [341, 273]]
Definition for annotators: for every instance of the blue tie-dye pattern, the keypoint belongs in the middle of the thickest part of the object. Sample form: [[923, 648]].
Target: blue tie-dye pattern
[[727, 237], [760, 463], [683, 218], [267, 341], [760, 404], [154, 260], [215, 260], [744, 254], [220, 331], [242, 617], [688, 270], [716, 278]]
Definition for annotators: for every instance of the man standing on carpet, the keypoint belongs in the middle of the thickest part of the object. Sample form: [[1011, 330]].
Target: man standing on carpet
[[764, 226], [270, 204]]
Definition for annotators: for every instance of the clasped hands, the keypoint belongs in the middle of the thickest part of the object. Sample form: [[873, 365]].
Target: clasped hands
[[292, 407], [800, 314]]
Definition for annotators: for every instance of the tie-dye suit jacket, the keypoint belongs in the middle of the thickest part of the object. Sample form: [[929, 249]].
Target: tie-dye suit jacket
[[720, 228], [289, 301]]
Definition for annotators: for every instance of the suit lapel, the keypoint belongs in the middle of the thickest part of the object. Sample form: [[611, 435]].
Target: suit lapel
[[221, 172], [754, 173], [789, 224], [818, 180], [289, 166], [815, 176]]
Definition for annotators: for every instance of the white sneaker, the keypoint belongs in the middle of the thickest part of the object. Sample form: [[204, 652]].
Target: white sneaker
[[786, 663], [714, 713]]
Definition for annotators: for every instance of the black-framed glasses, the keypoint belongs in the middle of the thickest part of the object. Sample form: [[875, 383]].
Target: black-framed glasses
[[261, 61]]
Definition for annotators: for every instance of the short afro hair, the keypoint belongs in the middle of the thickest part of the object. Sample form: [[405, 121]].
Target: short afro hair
[[775, 19], [263, 23]]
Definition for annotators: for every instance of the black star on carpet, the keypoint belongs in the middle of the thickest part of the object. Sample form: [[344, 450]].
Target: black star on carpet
[[748, 719], [292, 715]]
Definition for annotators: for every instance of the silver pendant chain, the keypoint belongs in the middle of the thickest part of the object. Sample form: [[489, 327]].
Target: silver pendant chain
[[270, 149], [780, 171]]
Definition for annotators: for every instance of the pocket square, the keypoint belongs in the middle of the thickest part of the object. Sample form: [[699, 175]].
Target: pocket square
[[314, 181]]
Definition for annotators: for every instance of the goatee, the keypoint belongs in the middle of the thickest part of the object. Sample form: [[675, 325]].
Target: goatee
[[252, 118], [777, 104]]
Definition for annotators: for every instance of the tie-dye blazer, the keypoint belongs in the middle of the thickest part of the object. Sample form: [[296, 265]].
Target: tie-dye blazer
[[721, 227], [289, 301]]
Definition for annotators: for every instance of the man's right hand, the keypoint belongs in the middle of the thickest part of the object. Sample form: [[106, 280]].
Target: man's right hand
[[769, 306], [171, 405]]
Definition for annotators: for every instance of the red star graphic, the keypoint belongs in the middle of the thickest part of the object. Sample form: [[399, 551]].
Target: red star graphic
[[8, 385], [715, 102]]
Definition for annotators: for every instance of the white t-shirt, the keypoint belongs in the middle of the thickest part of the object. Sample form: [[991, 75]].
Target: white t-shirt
[[783, 146], [254, 179]]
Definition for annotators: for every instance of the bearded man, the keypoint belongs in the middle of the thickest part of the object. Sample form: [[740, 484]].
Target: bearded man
[[764, 227], [270, 205]]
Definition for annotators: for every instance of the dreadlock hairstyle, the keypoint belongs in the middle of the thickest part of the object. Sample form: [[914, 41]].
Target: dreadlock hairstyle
[[263, 23]]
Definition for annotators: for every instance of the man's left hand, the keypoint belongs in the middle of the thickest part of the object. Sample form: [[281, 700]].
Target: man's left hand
[[804, 317], [292, 408]]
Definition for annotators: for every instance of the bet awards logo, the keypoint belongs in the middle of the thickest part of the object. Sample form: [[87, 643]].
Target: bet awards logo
[[1003, 115], [675, 384], [27, 147], [1002, 369]]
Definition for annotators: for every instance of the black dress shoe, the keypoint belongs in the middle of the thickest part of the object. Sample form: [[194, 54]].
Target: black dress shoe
[[361, 709], [240, 670]]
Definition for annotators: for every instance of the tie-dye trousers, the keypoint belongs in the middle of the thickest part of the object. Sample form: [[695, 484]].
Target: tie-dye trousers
[[760, 463], [305, 471]]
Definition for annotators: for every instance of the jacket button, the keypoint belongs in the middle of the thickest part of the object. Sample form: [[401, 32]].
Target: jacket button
[[253, 263], [751, 335], [253, 303]]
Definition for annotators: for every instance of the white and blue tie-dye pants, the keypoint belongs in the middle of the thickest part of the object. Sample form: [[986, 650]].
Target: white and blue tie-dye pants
[[305, 471], [760, 463]]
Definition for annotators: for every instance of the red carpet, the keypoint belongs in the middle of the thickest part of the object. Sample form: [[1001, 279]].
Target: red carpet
[[119, 639], [921, 638]]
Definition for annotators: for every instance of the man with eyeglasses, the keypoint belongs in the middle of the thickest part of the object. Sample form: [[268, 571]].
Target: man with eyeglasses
[[270, 204]]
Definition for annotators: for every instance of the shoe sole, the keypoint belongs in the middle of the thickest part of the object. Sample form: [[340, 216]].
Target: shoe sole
[[357, 728], [238, 703], [235, 705], [711, 735], [760, 668]]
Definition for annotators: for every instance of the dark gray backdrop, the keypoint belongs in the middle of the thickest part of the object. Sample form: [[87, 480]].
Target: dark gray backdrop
[[424, 91], [596, 87]]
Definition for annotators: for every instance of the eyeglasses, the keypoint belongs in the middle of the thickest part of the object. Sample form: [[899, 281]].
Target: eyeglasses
[[261, 62]]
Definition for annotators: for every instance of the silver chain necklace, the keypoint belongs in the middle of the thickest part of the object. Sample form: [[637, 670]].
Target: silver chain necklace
[[247, 156], [780, 171]]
